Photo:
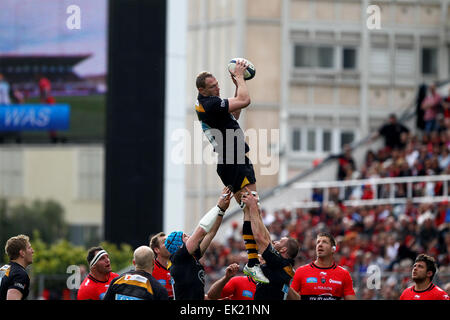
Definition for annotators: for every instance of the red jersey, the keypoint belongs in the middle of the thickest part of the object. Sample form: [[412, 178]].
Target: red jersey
[[239, 288], [162, 274], [433, 292], [93, 289], [315, 283]]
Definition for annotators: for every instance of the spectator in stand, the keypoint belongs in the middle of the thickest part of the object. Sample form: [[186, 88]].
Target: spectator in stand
[[393, 133], [345, 162], [431, 105], [446, 109], [428, 233]]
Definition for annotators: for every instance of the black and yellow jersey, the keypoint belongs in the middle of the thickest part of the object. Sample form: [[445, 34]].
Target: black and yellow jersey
[[136, 285], [279, 271], [14, 276], [218, 124]]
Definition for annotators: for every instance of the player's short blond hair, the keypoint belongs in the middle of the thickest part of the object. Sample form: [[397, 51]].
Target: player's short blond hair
[[15, 244]]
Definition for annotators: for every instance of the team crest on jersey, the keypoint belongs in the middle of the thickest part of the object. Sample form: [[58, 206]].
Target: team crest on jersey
[[323, 280]]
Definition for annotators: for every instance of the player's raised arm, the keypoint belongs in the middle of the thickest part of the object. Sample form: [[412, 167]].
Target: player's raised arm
[[222, 204], [242, 96], [216, 288], [209, 224]]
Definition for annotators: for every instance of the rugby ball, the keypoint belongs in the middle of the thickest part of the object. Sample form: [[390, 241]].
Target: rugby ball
[[249, 73]]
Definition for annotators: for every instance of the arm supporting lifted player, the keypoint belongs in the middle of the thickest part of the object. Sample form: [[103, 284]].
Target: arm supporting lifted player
[[209, 224], [260, 232]]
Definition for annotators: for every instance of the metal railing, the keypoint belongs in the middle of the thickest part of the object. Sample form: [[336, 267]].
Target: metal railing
[[384, 191]]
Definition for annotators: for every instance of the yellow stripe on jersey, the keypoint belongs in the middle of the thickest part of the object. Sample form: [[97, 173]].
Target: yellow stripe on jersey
[[199, 108], [6, 269], [289, 271], [124, 280]]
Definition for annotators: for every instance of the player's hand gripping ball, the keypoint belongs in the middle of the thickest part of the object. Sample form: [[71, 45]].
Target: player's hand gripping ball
[[249, 73]]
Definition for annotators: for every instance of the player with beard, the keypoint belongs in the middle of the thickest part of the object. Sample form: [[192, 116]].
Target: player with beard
[[323, 279], [422, 274], [162, 262], [95, 285], [278, 256]]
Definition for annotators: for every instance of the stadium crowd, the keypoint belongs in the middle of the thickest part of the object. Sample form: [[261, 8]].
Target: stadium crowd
[[389, 236]]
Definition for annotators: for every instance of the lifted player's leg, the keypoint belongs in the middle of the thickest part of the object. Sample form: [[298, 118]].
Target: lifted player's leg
[[252, 268]]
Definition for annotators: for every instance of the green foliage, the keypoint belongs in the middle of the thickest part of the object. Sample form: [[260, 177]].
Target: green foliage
[[47, 217], [120, 256], [55, 258], [43, 222]]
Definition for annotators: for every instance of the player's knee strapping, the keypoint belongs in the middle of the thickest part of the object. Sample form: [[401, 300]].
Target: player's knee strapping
[[250, 244]]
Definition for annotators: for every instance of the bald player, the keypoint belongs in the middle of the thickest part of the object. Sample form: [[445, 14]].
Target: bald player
[[138, 284]]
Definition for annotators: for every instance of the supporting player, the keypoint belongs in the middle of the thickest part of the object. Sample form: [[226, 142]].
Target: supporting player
[[278, 256], [422, 274], [219, 122], [323, 279], [187, 272]]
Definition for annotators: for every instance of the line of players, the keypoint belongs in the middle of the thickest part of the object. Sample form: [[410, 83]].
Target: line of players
[[155, 277]]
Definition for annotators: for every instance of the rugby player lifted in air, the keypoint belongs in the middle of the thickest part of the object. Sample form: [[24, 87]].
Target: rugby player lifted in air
[[219, 123]]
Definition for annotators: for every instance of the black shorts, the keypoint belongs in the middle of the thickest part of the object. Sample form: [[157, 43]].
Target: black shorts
[[237, 175]]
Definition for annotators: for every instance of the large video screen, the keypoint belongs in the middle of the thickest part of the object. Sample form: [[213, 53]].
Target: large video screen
[[53, 69]]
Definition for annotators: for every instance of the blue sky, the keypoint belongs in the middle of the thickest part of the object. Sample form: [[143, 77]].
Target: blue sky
[[39, 27]]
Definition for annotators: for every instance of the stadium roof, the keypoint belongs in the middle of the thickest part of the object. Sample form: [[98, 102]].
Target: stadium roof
[[41, 59]]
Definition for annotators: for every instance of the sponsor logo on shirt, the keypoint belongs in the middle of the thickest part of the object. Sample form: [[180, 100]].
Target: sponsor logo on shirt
[[311, 280], [19, 285], [123, 297], [335, 281], [247, 293], [162, 281]]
